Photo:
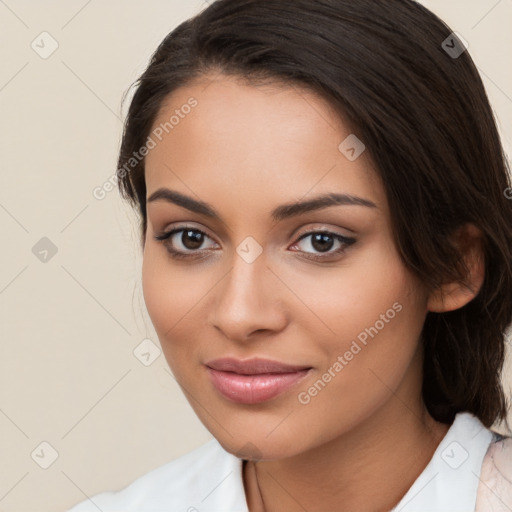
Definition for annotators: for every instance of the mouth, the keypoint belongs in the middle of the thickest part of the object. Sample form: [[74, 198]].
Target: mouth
[[255, 380]]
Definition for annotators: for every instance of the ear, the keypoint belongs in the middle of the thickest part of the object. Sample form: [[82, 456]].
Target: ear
[[451, 296]]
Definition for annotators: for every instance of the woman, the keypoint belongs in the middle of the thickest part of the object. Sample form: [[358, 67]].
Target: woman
[[327, 260]]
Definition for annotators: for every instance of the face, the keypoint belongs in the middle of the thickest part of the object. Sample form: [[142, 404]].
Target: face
[[233, 278]]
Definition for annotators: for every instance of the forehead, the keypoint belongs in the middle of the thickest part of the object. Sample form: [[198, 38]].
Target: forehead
[[264, 143]]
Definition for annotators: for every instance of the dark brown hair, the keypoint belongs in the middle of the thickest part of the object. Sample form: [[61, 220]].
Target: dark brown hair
[[391, 69]]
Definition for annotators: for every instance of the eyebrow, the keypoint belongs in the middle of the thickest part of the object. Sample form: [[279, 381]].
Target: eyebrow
[[279, 213]]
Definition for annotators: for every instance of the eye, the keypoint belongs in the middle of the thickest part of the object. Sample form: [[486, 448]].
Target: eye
[[319, 245], [188, 242], [185, 242]]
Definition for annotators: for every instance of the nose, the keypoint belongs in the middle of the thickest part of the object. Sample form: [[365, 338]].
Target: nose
[[249, 300]]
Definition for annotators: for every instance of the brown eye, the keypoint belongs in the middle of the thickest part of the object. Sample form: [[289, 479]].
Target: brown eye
[[192, 239], [323, 244], [185, 242], [322, 241]]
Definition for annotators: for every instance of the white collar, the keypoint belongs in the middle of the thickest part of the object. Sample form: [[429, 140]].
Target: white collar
[[448, 482]]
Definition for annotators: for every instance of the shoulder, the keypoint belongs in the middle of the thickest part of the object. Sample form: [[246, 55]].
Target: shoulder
[[178, 485], [495, 487]]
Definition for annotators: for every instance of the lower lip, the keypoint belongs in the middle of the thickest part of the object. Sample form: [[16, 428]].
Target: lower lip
[[254, 389]]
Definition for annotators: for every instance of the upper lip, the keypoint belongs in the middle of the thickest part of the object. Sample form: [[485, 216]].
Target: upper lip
[[253, 366]]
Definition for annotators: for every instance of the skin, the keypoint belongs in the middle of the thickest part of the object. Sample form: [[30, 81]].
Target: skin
[[245, 150]]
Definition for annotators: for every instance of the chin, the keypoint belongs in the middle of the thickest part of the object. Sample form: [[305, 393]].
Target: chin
[[258, 447]]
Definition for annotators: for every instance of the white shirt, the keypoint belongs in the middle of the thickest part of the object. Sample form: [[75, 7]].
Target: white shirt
[[470, 459]]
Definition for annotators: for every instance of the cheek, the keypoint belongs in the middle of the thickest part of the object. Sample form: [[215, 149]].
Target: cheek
[[169, 293], [369, 356], [169, 297], [158, 288], [374, 310], [380, 326], [347, 299], [178, 301]]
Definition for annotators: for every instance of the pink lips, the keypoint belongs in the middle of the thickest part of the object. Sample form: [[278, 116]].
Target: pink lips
[[254, 380]]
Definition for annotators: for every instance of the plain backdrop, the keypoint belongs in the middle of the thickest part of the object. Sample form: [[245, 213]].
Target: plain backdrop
[[73, 395]]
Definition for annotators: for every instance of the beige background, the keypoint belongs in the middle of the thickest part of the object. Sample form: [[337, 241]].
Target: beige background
[[69, 326]]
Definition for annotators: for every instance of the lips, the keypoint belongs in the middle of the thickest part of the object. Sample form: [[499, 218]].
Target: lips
[[255, 380]]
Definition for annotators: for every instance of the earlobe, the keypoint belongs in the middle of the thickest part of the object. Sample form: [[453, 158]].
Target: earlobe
[[454, 295]]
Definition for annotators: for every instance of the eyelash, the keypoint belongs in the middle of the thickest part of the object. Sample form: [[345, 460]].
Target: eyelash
[[178, 255]]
